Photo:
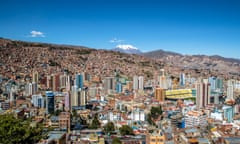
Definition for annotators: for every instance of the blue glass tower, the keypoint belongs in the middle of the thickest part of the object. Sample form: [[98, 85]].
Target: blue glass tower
[[79, 81], [119, 87], [212, 81], [50, 101]]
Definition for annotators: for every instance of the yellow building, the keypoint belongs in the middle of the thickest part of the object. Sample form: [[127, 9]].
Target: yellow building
[[160, 94], [179, 94], [157, 137]]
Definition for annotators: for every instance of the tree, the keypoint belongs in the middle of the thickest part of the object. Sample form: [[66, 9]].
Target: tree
[[109, 127], [149, 119], [95, 122], [15, 131], [154, 114], [126, 130], [116, 140], [57, 112]]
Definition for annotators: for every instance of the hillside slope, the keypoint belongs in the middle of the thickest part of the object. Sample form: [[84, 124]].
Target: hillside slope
[[22, 58]]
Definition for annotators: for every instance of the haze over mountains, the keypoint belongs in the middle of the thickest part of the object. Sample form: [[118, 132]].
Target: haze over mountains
[[18, 55]]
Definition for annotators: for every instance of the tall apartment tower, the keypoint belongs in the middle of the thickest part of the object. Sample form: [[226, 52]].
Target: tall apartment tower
[[56, 82], [83, 98], [203, 92], [31, 88], [49, 81], [35, 77], [109, 84], [138, 83], [135, 82], [63, 81], [67, 101], [182, 80], [78, 97], [74, 96], [230, 89], [163, 80]]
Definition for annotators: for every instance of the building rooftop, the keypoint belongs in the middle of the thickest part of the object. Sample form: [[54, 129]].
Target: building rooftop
[[55, 135], [233, 140], [203, 141], [192, 130]]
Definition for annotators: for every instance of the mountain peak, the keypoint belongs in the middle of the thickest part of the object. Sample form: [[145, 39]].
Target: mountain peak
[[126, 48]]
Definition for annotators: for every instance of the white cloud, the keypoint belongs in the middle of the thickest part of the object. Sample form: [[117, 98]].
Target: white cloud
[[36, 34], [115, 40], [126, 47]]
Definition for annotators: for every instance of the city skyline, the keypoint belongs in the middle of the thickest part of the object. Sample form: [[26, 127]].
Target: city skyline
[[187, 27]]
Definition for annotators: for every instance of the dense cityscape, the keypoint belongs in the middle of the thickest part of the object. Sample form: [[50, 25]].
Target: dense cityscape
[[84, 99]]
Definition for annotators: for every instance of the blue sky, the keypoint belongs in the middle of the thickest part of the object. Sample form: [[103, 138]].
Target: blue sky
[[186, 26]]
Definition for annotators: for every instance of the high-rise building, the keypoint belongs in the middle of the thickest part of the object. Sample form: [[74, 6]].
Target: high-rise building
[[83, 98], [160, 94], [38, 101], [119, 87], [49, 102], [31, 88], [219, 84], [67, 101], [28, 89], [34, 88], [35, 77], [182, 79], [74, 96], [202, 93], [138, 83], [109, 84], [228, 113], [163, 80], [50, 82], [135, 82], [79, 80], [63, 81], [78, 97], [68, 84], [212, 81], [230, 89], [56, 82]]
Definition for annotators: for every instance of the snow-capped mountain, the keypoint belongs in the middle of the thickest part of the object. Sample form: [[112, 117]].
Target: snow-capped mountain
[[129, 49]]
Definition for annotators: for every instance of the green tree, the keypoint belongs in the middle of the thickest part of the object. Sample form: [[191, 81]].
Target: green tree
[[16, 131], [95, 122], [126, 130], [109, 127], [57, 112], [149, 119], [116, 141], [74, 113], [156, 112]]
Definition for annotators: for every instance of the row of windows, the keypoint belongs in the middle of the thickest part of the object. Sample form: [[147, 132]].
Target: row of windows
[[157, 140]]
